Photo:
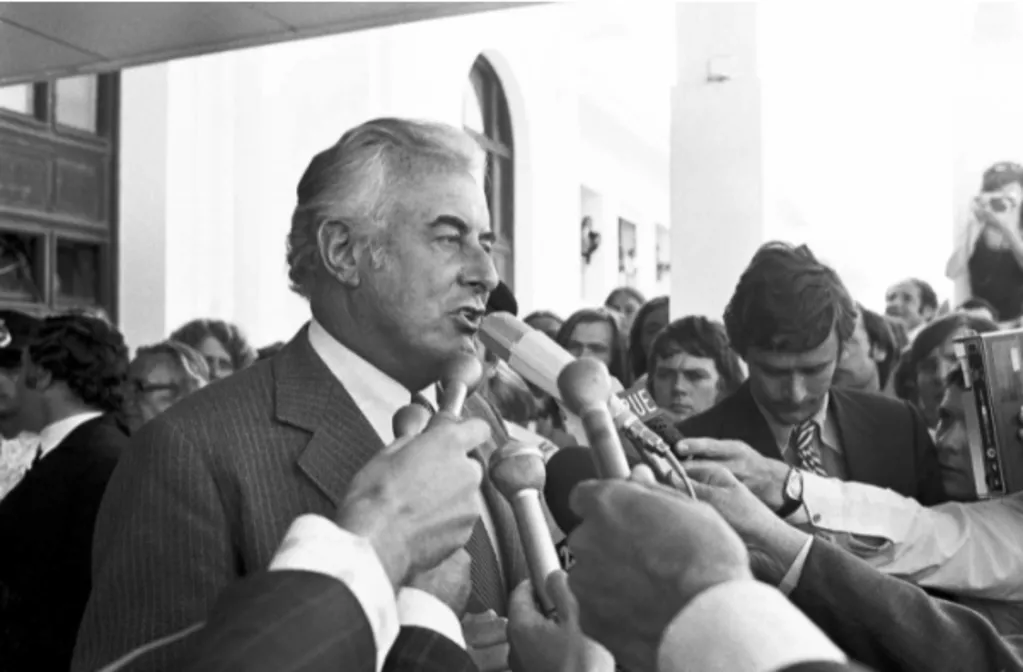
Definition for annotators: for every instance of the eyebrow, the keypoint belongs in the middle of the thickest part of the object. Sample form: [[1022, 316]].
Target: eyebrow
[[463, 228]]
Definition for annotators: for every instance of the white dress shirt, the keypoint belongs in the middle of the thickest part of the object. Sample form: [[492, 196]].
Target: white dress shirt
[[55, 433], [742, 626], [969, 549]]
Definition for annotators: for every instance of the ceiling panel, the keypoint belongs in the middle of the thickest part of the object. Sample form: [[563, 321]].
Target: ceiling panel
[[21, 50], [43, 40]]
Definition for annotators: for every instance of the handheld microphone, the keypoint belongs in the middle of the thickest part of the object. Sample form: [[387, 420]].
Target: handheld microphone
[[585, 386], [410, 420], [645, 423], [518, 471], [566, 469], [539, 360], [461, 376]]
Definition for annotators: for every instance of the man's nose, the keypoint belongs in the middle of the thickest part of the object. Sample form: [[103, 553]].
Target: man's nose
[[480, 270], [796, 391]]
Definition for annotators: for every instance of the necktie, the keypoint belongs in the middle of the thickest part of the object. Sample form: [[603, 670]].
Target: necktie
[[804, 440], [488, 590]]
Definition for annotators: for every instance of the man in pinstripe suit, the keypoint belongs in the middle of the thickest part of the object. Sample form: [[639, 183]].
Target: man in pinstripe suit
[[390, 242]]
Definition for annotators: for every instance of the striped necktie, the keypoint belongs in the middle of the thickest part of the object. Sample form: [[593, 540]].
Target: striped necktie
[[804, 441], [488, 590]]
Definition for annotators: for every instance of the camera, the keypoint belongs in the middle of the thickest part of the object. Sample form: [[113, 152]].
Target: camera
[[992, 366]]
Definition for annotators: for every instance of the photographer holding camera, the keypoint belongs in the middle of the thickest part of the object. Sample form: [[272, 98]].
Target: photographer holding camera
[[988, 263]]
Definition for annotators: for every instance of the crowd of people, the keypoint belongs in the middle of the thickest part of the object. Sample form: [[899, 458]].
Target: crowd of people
[[205, 505]]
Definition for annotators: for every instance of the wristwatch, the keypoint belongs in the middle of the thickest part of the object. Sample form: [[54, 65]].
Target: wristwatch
[[791, 493]]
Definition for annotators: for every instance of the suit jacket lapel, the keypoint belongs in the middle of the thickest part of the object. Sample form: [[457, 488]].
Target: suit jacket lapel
[[750, 426], [308, 396]]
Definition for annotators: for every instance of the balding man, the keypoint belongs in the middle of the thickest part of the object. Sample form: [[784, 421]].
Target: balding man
[[390, 243]]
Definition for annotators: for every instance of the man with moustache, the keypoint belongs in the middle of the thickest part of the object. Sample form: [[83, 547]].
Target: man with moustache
[[390, 242]]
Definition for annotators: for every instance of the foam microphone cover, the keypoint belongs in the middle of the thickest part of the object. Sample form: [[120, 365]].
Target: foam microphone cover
[[665, 429], [567, 468]]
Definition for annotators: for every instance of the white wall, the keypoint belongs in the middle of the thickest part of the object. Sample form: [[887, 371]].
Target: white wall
[[630, 176], [239, 128], [716, 156]]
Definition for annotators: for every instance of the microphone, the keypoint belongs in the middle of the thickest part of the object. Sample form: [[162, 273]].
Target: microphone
[[585, 386], [566, 469], [645, 423], [410, 420], [461, 376], [518, 471], [539, 360]]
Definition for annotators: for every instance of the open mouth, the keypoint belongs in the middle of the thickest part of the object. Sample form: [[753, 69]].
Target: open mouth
[[469, 318]]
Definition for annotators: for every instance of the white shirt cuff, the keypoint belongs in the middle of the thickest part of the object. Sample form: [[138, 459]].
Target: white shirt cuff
[[315, 544], [791, 578], [875, 514], [418, 608], [742, 626]]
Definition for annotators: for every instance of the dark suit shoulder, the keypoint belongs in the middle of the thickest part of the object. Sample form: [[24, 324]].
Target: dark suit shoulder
[[878, 406], [253, 385], [712, 422]]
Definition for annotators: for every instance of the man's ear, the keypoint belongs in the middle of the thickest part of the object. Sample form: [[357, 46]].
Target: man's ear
[[338, 251], [37, 378]]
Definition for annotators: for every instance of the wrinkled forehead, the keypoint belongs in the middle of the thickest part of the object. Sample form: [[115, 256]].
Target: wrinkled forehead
[[440, 191]]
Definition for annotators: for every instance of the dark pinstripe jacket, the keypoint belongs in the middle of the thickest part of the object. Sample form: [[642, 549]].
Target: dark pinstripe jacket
[[291, 621], [207, 491]]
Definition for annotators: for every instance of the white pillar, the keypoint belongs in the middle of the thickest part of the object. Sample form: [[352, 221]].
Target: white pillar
[[142, 192], [716, 155]]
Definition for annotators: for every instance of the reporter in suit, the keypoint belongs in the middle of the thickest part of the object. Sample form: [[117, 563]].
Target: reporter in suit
[[682, 577], [877, 620], [391, 244], [71, 379], [790, 318], [330, 599]]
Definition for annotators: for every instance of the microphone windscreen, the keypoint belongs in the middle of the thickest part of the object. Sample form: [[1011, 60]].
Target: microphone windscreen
[[665, 429], [567, 468]]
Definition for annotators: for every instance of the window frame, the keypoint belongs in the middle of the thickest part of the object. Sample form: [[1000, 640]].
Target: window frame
[[42, 134], [498, 142]]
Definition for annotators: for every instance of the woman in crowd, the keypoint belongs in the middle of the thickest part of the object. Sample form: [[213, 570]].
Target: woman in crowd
[[159, 377], [650, 319], [920, 378], [625, 301], [221, 343], [692, 367]]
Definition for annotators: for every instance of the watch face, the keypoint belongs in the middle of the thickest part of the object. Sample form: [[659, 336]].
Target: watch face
[[794, 485]]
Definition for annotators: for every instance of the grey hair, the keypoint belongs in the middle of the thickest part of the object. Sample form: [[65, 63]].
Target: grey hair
[[188, 359], [354, 181]]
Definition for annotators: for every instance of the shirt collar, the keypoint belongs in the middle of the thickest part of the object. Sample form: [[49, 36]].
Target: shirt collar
[[376, 394], [783, 433], [55, 433]]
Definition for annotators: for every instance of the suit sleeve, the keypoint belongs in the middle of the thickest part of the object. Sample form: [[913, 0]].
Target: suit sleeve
[[422, 650], [161, 554], [280, 621], [889, 624], [929, 488]]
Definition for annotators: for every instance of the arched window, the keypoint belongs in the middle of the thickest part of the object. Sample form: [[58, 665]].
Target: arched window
[[485, 116]]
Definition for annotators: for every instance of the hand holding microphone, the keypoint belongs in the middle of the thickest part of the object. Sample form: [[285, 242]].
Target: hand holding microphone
[[518, 472]]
